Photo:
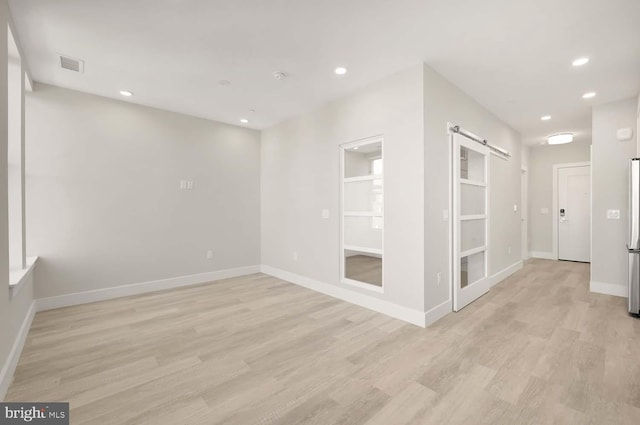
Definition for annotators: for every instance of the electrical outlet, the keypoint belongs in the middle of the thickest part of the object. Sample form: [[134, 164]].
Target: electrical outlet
[[438, 277], [295, 256], [209, 255], [613, 214]]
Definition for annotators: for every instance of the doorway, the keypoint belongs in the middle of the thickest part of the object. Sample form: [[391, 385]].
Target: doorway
[[362, 221], [572, 213]]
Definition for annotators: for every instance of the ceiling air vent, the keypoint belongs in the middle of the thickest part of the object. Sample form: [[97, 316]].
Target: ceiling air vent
[[71, 64]]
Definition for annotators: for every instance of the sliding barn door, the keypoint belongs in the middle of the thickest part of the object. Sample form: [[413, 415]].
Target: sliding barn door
[[470, 221]]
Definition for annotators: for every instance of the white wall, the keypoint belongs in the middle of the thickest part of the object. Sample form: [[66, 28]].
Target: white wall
[[610, 167], [301, 176], [541, 162], [444, 103], [638, 127], [104, 207]]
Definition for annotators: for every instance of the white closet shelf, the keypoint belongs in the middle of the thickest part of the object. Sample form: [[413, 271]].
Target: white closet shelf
[[363, 249], [363, 178], [473, 217], [473, 182], [362, 214], [473, 251]]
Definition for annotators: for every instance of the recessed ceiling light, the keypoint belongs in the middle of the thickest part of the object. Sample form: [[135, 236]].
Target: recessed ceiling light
[[356, 148], [545, 117], [244, 121], [126, 93], [589, 95], [580, 62], [560, 139], [341, 70]]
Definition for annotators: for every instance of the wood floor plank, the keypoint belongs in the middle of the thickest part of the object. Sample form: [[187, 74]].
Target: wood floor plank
[[539, 348]]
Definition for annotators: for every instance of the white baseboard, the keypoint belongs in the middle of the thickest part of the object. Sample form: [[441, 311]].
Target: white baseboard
[[505, 273], [140, 288], [6, 374], [438, 312], [372, 303], [543, 255], [609, 289]]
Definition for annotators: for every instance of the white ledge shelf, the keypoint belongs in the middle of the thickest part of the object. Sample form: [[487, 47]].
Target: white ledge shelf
[[18, 276], [363, 249], [363, 178], [363, 214], [473, 182], [473, 251]]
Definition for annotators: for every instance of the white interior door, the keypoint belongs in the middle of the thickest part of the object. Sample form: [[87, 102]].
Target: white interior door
[[471, 221], [574, 215]]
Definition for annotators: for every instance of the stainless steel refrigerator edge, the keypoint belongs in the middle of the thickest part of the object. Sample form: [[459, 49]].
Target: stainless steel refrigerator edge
[[634, 236]]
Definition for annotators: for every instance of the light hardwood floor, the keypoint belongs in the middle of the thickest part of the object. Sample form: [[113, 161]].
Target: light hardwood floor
[[538, 349]]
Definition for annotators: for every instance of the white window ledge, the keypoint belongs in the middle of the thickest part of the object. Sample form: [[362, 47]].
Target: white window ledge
[[18, 276]]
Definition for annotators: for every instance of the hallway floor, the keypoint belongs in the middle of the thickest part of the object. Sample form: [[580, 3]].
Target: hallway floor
[[538, 349]]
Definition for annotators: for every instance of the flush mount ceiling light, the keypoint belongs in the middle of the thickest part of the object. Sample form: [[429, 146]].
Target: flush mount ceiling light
[[356, 148], [580, 62], [560, 139], [589, 95], [545, 117], [244, 121], [341, 70], [126, 93]]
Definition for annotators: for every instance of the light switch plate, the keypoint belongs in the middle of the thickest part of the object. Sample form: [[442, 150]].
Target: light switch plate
[[613, 214], [325, 214], [515, 207]]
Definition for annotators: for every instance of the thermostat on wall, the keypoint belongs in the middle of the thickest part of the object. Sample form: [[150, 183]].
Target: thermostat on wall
[[625, 134]]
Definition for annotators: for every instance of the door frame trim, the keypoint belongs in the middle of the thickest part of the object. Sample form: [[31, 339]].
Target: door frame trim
[[524, 209], [554, 215]]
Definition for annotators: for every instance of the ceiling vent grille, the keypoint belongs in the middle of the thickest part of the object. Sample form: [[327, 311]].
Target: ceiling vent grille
[[75, 65]]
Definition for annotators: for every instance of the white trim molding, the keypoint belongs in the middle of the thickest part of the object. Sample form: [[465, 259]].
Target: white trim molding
[[505, 273], [609, 289], [542, 255], [406, 314], [9, 368], [140, 288], [438, 312]]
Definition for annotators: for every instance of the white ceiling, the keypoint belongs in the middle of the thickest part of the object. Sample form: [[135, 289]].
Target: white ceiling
[[512, 56]]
